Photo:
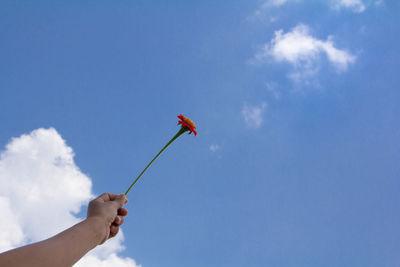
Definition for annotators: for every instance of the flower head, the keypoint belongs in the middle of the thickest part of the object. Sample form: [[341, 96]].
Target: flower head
[[187, 124]]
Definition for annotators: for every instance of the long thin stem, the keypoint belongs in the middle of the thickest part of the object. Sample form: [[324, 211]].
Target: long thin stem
[[181, 131]]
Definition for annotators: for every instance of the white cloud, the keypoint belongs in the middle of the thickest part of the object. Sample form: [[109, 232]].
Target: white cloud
[[253, 115], [355, 5], [111, 260], [299, 48], [214, 147], [13, 235], [42, 190]]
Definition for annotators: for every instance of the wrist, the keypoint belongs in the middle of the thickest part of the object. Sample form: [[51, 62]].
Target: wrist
[[99, 227]]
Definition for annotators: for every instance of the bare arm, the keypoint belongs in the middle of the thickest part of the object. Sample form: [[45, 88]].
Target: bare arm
[[105, 215]]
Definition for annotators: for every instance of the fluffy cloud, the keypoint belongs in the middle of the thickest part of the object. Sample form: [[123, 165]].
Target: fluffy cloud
[[42, 190], [299, 48], [253, 115], [111, 260], [13, 235], [355, 5]]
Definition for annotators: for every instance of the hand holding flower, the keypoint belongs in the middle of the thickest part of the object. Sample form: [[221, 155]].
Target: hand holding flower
[[107, 208]]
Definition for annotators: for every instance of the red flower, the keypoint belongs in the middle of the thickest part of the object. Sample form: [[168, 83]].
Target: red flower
[[187, 124]]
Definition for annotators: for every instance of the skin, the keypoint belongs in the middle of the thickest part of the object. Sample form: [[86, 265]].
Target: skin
[[105, 215]]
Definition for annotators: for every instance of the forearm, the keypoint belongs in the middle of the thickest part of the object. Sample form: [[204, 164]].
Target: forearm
[[64, 249]]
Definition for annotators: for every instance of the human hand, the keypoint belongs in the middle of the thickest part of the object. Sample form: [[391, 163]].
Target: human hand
[[108, 209]]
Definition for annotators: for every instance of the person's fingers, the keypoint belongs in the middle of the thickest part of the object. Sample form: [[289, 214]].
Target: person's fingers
[[114, 196], [111, 197], [114, 230], [118, 221], [120, 200], [103, 197], [125, 200], [108, 197], [122, 212]]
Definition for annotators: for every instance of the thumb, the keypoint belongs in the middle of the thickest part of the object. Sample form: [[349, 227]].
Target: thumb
[[121, 200]]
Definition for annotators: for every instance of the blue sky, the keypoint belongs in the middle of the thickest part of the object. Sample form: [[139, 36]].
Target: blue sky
[[296, 103]]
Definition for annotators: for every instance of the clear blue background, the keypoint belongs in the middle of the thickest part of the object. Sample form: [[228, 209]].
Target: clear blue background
[[316, 185]]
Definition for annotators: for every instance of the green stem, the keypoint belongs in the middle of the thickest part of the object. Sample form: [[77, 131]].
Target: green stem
[[181, 131]]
